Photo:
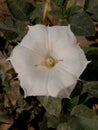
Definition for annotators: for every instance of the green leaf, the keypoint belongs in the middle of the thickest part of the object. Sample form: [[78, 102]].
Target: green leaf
[[52, 121], [72, 10], [71, 3], [87, 49], [20, 9], [77, 90], [49, 122], [59, 2], [94, 12], [89, 94], [90, 3], [91, 88], [52, 105], [81, 24], [37, 15], [65, 13], [6, 82], [67, 106], [57, 13], [73, 102], [64, 22], [83, 111], [64, 126], [83, 118], [81, 123], [12, 29], [4, 116]]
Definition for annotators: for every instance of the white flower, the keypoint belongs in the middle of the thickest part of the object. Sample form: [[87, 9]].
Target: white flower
[[48, 61]]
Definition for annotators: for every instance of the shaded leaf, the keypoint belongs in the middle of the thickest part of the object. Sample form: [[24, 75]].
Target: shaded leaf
[[52, 105], [77, 90], [73, 102], [12, 29], [94, 12], [71, 3], [37, 14], [67, 106], [83, 118], [88, 49], [83, 111], [90, 3], [72, 10], [20, 102], [5, 81], [59, 2], [52, 121], [43, 125], [20, 9], [64, 22], [57, 13], [4, 116], [64, 126], [91, 88], [83, 98], [81, 24], [3, 43], [89, 94], [81, 123], [65, 13]]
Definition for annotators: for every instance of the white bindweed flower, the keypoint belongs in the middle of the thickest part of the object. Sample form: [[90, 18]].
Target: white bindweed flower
[[48, 61]]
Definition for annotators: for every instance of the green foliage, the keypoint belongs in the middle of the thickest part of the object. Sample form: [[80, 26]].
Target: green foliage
[[90, 49], [57, 13], [59, 2], [94, 12], [71, 3], [12, 29], [72, 10], [90, 4], [63, 126], [5, 81], [91, 88], [65, 13], [4, 116], [52, 105], [83, 118], [52, 121], [81, 24], [83, 111], [20, 9], [34, 16]]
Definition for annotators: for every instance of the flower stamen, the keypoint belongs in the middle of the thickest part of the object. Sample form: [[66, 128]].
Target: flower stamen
[[49, 62]]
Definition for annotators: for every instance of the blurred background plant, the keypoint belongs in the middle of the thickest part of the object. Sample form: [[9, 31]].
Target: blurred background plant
[[42, 113]]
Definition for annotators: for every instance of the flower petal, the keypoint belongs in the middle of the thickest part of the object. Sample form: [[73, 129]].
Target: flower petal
[[34, 84], [36, 39], [61, 83], [65, 48], [74, 61], [29, 56], [33, 79], [61, 38]]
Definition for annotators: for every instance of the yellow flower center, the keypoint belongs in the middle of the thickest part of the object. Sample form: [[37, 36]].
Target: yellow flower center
[[50, 62]]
